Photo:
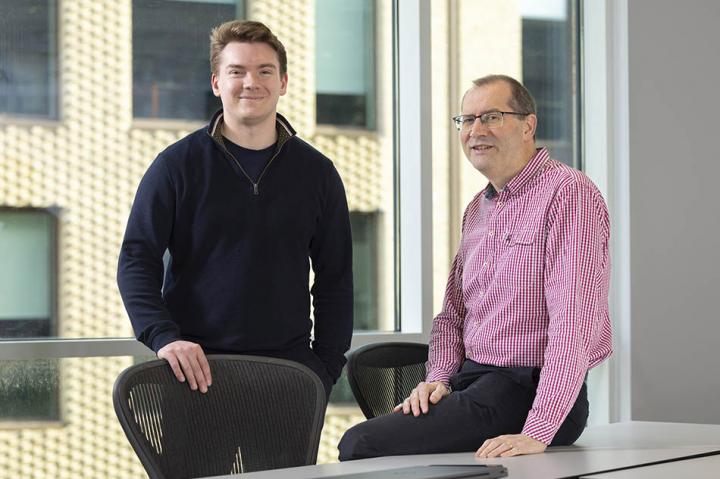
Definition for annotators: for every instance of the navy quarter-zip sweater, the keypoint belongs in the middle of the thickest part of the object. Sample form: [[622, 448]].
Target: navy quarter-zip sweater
[[240, 252]]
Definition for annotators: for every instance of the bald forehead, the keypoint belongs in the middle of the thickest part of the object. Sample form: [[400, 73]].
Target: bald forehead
[[498, 91]]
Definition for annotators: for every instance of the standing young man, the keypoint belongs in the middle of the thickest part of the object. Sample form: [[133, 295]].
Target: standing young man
[[242, 206], [525, 314]]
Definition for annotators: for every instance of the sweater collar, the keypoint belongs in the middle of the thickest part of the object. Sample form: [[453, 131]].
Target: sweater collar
[[284, 129]]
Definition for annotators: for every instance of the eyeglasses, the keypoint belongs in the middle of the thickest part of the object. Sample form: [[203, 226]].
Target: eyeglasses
[[491, 119]]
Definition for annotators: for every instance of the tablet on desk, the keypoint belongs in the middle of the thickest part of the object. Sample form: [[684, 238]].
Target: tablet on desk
[[438, 471]]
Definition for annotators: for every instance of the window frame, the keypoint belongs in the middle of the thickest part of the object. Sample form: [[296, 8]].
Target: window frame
[[606, 160]]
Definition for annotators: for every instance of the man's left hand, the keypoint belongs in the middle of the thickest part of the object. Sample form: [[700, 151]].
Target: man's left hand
[[510, 445]]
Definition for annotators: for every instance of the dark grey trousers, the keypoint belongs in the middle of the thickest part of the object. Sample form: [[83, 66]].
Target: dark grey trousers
[[486, 402]]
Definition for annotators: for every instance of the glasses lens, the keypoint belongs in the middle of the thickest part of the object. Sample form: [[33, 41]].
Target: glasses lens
[[465, 122], [492, 119]]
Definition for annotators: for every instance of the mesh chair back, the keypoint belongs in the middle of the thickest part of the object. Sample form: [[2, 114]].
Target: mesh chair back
[[260, 413], [382, 375]]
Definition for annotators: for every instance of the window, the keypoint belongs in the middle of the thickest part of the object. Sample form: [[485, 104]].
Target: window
[[353, 83], [78, 350], [28, 390], [535, 41], [365, 269], [28, 58], [171, 70], [548, 62], [27, 278], [345, 71]]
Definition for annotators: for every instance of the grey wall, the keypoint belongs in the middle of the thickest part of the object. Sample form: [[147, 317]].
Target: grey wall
[[674, 115]]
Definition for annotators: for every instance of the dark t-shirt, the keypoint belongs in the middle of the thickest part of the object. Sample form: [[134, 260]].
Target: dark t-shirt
[[252, 161]]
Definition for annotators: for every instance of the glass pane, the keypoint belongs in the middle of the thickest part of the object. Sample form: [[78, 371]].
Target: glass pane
[[547, 65], [29, 391], [57, 420], [352, 125], [345, 65], [90, 165], [27, 278], [538, 46], [365, 230], [28, 58]]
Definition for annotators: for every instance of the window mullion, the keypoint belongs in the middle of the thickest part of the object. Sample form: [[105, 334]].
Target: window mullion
[[414, 165]]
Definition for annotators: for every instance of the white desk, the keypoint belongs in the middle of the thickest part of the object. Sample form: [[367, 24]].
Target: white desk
[[701, 468], [600, 448]]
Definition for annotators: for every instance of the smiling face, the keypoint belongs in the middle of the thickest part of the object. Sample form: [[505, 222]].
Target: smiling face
[[498, 153], [249, 83]]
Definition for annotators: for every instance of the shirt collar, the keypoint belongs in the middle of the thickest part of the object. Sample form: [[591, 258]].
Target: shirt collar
[[534, 166]]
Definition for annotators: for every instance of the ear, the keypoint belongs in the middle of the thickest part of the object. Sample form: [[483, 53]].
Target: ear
[[214, 84], [529, 127], [283, 84]]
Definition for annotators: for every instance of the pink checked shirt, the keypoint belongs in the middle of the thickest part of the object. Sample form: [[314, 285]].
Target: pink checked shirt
[[529, 287]]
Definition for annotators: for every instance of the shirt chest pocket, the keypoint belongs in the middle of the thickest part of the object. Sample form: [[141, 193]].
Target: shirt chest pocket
[[522, 251], [522, 237]]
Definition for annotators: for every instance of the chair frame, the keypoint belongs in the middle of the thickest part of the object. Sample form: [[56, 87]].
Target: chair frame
[[135, 435], [354, 358]]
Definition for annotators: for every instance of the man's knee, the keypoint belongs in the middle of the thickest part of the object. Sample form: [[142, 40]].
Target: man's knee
[[358, 442]]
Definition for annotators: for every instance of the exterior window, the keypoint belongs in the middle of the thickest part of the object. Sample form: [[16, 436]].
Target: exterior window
[[365, 269], [540, 47], [28, 389], [171, 72], [547, 39], [345, 76], [27, 278], [28, 58]]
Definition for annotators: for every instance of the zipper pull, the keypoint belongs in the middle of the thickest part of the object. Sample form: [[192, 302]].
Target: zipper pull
[[256, 190]]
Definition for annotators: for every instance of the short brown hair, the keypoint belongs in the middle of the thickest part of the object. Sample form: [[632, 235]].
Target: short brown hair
[[520, 98], [244, 31]]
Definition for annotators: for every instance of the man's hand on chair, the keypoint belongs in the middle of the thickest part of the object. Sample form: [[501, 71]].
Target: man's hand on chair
[[188, 361], [421, 397]]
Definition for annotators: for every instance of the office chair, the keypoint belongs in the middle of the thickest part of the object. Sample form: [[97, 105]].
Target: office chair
[[260, 413], [382, 375]]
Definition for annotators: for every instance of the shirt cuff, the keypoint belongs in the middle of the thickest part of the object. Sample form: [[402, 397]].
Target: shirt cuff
[[539, 429], [438, 376]]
